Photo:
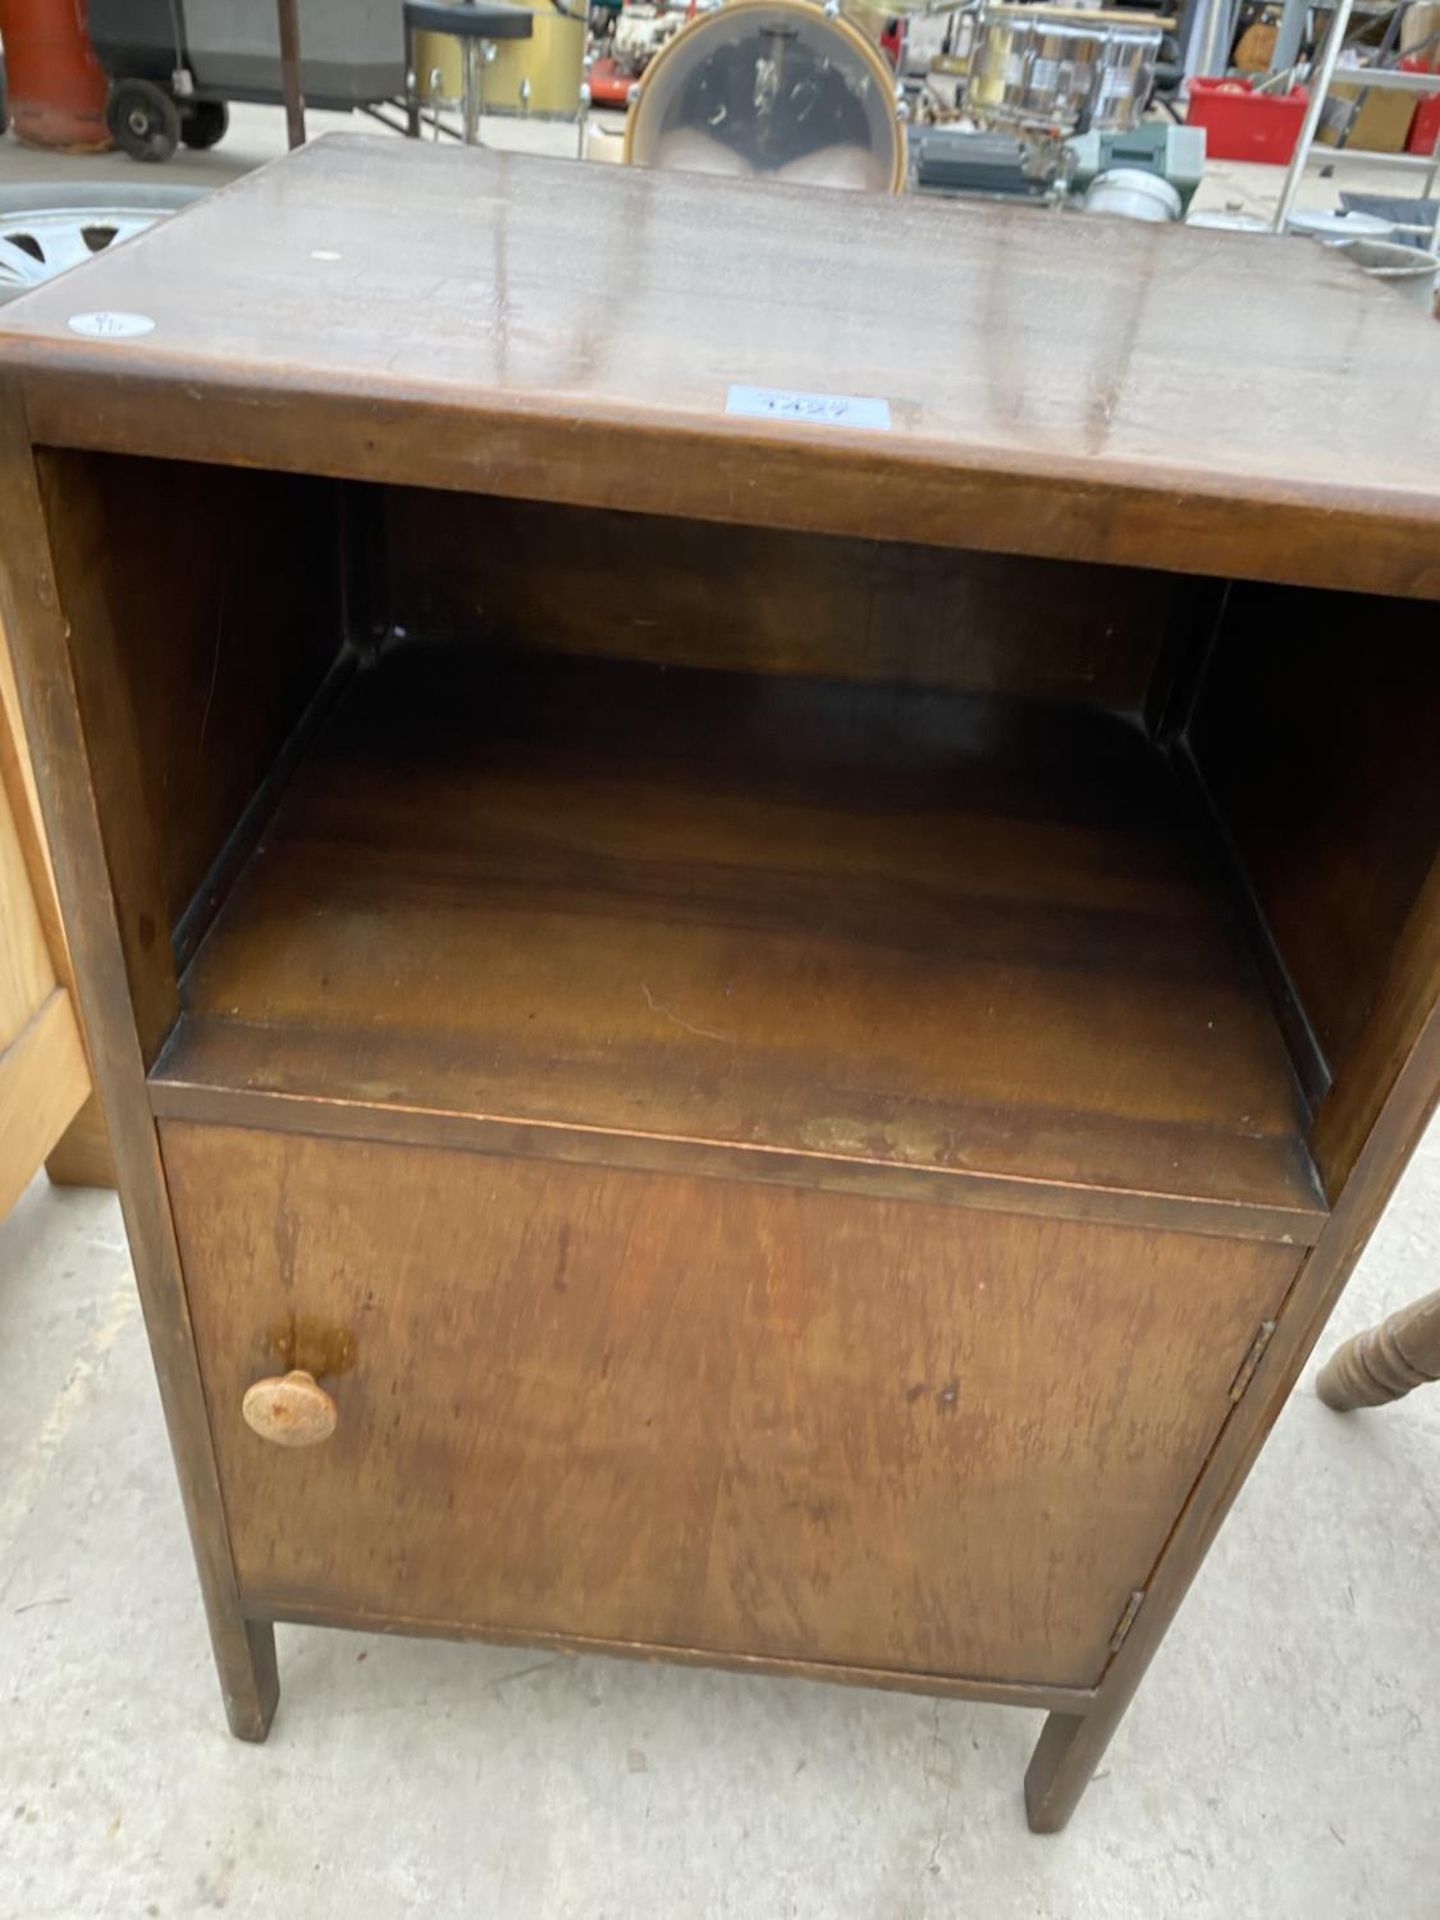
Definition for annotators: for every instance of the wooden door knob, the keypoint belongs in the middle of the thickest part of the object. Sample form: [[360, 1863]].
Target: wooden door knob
[[290, 1410]]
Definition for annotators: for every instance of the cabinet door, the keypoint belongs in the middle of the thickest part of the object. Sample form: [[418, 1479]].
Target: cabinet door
[[702, 1414]]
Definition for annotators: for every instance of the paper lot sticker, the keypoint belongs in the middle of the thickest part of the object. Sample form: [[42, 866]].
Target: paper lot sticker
[[810, 409], [111, 326]]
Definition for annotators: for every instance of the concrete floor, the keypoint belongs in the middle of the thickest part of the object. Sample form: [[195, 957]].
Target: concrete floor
[[257, 134], [1281, 1760]]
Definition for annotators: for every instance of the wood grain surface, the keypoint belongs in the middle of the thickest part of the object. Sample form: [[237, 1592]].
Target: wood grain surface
[[567, 913], [44, 1079], [1385, 1362], [27, 971], [44, 1083], [1073, 1744], [638, 586], [205, 609], [17, 781], [1406, 1000], [1005, 1693], [82, 1157], [47, 1109], [703, 1413], [35, 620], [873, 927], [1098, 390]]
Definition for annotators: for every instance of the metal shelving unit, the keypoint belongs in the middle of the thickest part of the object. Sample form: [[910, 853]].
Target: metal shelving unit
[[1321, 80], [1293, 15]]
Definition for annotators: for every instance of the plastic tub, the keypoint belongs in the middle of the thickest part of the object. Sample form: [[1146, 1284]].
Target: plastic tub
[[1411, 271], [1333, 228], [1425, 127], [1227, 222], [1241, 125], [1411, 222], [1134, 194]]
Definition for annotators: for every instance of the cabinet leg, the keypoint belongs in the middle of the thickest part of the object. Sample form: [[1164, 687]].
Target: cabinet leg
[[1067, 1753], [249, 1678]]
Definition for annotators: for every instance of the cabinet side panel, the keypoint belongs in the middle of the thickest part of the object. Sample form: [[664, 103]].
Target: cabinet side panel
[[71, 801], [1407, 1000], [1316, 737], [203, 608]]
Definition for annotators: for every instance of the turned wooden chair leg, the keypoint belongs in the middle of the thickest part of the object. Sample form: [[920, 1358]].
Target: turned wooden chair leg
[[1386, 1362]]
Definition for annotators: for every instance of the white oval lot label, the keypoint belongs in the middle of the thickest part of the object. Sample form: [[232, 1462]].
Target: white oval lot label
[[112, 326]]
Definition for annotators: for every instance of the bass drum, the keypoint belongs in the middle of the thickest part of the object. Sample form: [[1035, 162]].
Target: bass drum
[[776, 88]]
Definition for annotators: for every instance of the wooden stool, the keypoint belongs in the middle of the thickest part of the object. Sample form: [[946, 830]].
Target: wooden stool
[[1386, 1362]]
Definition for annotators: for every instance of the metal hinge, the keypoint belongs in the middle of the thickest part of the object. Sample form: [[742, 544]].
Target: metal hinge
[[1127, 1619], [1251, 1361]]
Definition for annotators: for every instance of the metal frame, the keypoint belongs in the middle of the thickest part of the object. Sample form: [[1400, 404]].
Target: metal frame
[[1321, 81]]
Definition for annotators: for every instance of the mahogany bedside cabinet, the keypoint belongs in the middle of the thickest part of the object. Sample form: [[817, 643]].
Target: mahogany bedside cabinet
[[754, 877]]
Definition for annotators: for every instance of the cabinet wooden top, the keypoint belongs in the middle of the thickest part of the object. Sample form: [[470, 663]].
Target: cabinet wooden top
[[1096, 388]]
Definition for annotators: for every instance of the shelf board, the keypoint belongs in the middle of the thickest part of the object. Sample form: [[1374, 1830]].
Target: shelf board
[[1347, 156], [846, 934], [1388, 79]]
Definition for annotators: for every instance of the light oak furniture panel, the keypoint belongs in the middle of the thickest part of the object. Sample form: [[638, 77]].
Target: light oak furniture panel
[[44, 1080], [47, 1109], [907, 960]]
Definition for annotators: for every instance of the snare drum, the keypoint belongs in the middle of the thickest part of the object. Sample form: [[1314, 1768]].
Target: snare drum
[[1062, 67]]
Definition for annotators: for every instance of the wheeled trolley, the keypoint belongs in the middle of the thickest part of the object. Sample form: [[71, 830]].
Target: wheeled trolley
[[175, 65]]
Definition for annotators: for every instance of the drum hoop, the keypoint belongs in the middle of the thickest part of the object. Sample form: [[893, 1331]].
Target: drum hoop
[[1106, 17], [860, 43]]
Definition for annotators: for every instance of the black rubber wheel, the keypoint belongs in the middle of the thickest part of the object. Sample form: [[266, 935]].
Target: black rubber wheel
[[205, 124], [143, 120]]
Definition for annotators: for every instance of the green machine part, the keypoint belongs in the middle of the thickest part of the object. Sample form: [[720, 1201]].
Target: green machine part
[[1156, 146]]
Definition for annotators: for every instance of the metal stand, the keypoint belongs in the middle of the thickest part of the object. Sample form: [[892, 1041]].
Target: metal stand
[[1319, 87], [1212, 33], [474, 56], [291, 80], [1289, 35]]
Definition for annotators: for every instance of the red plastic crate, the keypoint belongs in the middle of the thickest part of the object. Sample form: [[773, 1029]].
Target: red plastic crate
[[1240, 125], [1425, 127]]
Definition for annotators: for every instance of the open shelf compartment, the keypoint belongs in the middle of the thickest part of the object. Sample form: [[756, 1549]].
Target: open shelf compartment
[[835, 931], [1047, 886]]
